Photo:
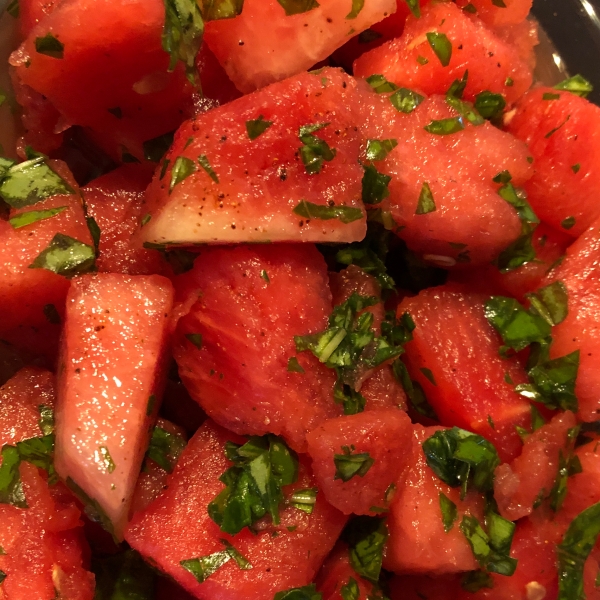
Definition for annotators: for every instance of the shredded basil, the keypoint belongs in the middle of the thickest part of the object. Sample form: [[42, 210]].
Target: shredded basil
[[123, 576], [296, 7], [473, 581], [304, 499], [164, 448], [65, 256], [214, 10], [441, 45], [183, 167], [346, 214], [33, 216], [46, 422], [446, 126], [195, 338], [314, 150], [205, 164], [490, 105], [449, 512], [349, 465], [379, 149], [405, 100], [576, 85], [425, 203], [380, 84], [357, 6], [294, 366], [415, 8], [11, 488], [50, 46], [205, 566], [551, 302], [257, 127], [366, 537], [374, 185], [350, 590], [307, 592]]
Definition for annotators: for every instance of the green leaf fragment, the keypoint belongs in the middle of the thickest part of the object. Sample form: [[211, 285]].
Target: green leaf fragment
[[215, 10], [65, 256], [366, 537], [449, 512], [568, 223], [441, 45], [314, 151], [296, 7], [350, 590], [33, 216], [205, 164], [257, 127], [374, 185], [183, 167], [379, 149], [50, 46], [446, 126], [346, 214], [294, 366], [46, 422], [164, 448], [425, 203], [307, 592], [405, 100], [576, 85], [551, 302], [304, 499], [357, 6], [195, 338], [415, 8], [490, 105], [348, 465], [380, 84], [11, 488]]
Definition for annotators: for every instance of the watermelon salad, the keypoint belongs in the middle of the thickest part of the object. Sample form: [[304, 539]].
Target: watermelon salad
[[299, 300]]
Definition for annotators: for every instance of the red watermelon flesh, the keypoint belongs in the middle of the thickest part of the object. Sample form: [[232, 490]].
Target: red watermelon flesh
[[176, 527], [254, 55], [562, 131], [110, 383], [418, 542], [411, 62], [116, 85], [115, 202], [248, 188], [454, 356], [496, 14], [471, 223], [385, 435], [579, 272], [247, 303]]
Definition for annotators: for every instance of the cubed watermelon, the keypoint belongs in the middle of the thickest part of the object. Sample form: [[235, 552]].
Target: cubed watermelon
[[243, 306], [235, 174], [111, 378]]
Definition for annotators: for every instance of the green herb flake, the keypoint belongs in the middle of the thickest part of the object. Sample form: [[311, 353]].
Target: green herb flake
[[357, 6], [307, 592], [445, 126], [195, 339], [262, 466], [65, 256], [92, 507], [350, 590], [2, 100], [490, 105], [46, 422], [164, 448], [499, 3], [415, 8], [551, 302], [346, 214], [449, 512], [575, 168], [380, 84], [414, 391], [509, 82], [473, 581], [576, 85], [366, 537], [255, 128], [33, 216], [182, 35], [348, 465], [49, 46], [304, 499], [145, 219], [425, 203], [428, 374], [203, 567], [106, 459], [574, 550], [374, 185], [518, 200], [215, 10], [264, 275], [568, 223], [550, 96], [405, 100], [151, 404], [94, 230], [294, 366], [205, 164], [182, 168], [422, 60], [157, 147], [314, 151], [296, 7], [519, 252], [379, 149], [13, 9], [11, 488], [441, 45]]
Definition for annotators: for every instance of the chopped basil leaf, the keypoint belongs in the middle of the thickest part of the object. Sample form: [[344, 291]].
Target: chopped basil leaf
[[499, 3], [348, 465], [11, 488], [380, 84], [30, 182], [106, 459], [422, 60], [262, 466], [441, 45], [489, 105], [366, 537], [151, 404], [457, 88], [568, 223], [350, 591], [94, 230], [13, 9], [405, 100], [182, 168], [307, 592], [145, 219], [294, 366], [357, 6], [449, 512], [195, 338], [415, 7], [519, 252], [50, 46], [92, 507], [295, 7], [551, 302], [413, 390], [215, 10], [314, 150], [428, 374], [205, 164], [502, 177], [304, 499], [550, 96], [264, 275], [466, 109], [46, 422], [575, 168], [518, 200], [182, 34], [517, 327], [559, 489], [445, 126], [576, 85], [574, 550], [257, 127], [461, 458], [374, 185], [164, 448], [346, 214], [473, 581], [202, 568], [379, 149], [2, 577], [33, 216], [65, 256], [425, 203], [157, 147]]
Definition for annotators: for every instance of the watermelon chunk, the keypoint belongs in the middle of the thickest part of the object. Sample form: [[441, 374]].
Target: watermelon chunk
[[227, 187], [383, 440], [579, 273], [454, 357], [116, 85], [411, 62], [496, 14], [417, 541], [468, 221], [32, 299], [176, 527], [255, 56], [531, 475], [115, 202], [243, 306], [110, 384], [562, 132]]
